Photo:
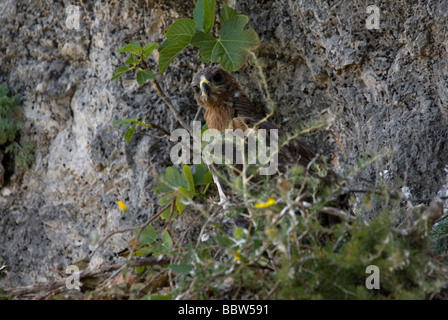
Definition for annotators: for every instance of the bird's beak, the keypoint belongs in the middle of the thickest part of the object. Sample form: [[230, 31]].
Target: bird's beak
[[205, 88]]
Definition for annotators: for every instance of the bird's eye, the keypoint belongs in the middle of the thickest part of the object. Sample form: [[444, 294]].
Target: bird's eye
[[196, 89], [217, 77]]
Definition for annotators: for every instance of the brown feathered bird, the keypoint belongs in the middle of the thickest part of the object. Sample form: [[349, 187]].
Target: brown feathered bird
[[228, 107]]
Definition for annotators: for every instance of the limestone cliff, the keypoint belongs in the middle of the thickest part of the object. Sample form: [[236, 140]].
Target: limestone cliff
[[384, 89]]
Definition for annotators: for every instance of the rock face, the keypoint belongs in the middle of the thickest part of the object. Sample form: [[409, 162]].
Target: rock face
[[384, 89]]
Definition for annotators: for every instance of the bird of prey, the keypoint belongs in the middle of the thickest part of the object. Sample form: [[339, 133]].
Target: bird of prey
[[228, 107]]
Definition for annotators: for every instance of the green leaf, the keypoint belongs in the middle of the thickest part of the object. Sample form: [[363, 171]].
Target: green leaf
[[117, 122], [180, 205], [184, 195], [147, 249], [133, 47], [203, 59], [118, 72], [223, 241], [167, 55], [181, 31], [181, 268], [201, 175], [189, 178], [166, 213], [238, 233], [178, 38], [148, 235], [149, 48], [3, 90], [170, 181], [226, 13], [162, 186], [232, 47], [208, 177], [132, 60], [207, 43], [165, 44], [25, 158], [115, 77], [145, 75], [174, 178], [167, 198], [128, 134], [204, 15], [167, 242], [122, 69], [141, 269], [8, 129], [23, 155]]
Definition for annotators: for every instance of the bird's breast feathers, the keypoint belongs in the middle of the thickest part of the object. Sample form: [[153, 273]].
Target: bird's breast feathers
[[221, 118]]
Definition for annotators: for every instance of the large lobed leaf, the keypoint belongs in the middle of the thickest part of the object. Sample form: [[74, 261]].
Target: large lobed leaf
[[227, 13], [232, 47], [204, 15], [178, 38]]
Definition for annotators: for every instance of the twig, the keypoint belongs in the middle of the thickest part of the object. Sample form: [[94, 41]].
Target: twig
[[59, 283], [152, 219], [240, 284], [392, 195], [335, 212], [170, 105], [210, 218], [198, 113], [173, 204], [107, 237], [443, 218], [272, 290], [149, 261], [156, 126], [82, 275], [270, 102]]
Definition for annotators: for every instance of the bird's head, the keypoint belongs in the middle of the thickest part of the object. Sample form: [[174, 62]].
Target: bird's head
[[211, 85]]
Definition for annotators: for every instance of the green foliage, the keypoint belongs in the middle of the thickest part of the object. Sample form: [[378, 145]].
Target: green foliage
[[287, 248], [3, 294], [131, 125], [181, 187], [9, 129], [204, 15], [178, 37], [337, 270], [282, 251], [136, 60], [9, 126], [230, 49], [23, 153], [439, 236], [150, 243]]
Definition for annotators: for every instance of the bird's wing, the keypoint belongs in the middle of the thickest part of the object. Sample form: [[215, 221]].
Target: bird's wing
[[245, 109], [295, 150]]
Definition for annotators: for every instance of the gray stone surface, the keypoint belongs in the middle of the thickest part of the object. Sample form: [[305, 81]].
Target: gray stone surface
[[383, 89]]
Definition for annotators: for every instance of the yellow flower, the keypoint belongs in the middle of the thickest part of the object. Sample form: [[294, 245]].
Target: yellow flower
[[122, 206], [237, 256], [266, 204]]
